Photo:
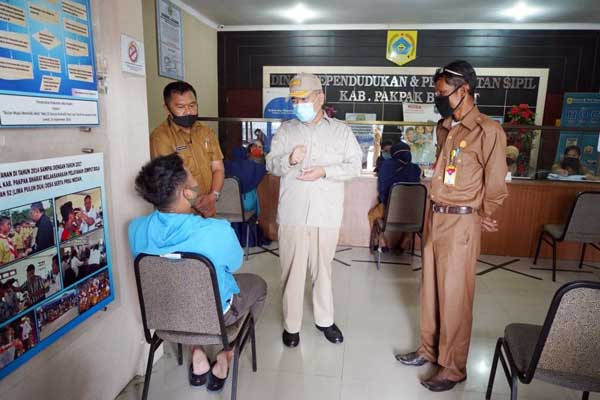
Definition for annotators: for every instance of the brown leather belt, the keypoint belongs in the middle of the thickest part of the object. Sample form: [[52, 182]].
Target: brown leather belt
[[437, 208]]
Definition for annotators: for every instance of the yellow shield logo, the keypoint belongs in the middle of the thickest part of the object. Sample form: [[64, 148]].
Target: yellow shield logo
[[401, 46]]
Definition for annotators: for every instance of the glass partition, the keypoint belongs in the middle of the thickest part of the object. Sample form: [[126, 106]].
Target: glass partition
[[533, 152]]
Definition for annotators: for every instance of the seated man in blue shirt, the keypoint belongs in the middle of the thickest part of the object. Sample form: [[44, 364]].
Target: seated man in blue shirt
[[174, 227]]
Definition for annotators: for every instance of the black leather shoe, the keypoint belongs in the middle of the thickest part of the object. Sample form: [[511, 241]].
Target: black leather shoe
[[441, 385], [411, 359], [215, 384], [197, 380], [290, 339], [332, 333]]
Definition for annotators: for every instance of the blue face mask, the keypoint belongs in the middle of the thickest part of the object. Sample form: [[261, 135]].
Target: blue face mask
[[386, 155], [305, 112]]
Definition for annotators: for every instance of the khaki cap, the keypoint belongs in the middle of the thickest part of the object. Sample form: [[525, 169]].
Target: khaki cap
[[303, 84]]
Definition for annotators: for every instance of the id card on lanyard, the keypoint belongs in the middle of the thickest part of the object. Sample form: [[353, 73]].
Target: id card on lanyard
[[451, 170]]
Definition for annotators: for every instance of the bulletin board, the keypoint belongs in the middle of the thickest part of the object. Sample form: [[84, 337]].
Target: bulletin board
[[55, 265], [47, 64]]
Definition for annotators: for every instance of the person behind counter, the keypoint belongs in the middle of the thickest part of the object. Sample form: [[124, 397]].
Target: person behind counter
[[386, 148], [571, 164], [398, 168]]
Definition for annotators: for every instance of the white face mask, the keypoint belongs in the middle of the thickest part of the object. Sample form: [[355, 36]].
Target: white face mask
[[305, 112]]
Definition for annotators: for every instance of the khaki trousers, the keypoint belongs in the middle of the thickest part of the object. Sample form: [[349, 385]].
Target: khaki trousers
[[302, 247], [447, 290]]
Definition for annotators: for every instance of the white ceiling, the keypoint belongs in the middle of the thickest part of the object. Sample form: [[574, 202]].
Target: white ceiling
[[238, 13]]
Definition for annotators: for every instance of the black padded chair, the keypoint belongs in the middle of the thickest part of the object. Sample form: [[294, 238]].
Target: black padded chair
[[583, 226], [231, 207], [404, 212], [180, 301], [564, 351]]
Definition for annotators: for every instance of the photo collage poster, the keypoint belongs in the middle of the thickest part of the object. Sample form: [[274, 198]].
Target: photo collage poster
[[55, 268]]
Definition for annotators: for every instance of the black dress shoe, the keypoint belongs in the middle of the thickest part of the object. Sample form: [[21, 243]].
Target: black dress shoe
[[332, 333], [412, 359], [215, 384], [442, 385], [197, 380], [290, 339]]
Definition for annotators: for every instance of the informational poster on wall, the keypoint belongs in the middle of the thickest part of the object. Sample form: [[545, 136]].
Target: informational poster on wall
[[55, 268], [47, 64], [581, 110], [421, 139], [169, 23], [366, 136]]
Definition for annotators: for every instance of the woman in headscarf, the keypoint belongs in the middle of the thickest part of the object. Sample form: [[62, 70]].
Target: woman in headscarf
[[398, 169]]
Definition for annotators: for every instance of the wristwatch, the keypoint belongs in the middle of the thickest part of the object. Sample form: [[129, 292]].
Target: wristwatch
[[217, 194]]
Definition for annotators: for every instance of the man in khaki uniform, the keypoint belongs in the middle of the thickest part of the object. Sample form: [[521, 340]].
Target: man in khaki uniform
[[195, 143], [467, 187], [313, 155]]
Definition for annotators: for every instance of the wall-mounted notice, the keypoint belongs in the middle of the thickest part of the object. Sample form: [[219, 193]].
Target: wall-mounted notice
[[169, 23], [55, 268], [133, 59], [47, 64]]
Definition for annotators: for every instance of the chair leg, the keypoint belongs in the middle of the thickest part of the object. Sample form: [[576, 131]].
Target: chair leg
[[179, 354], [412, 244], [514, 384], [488, 393], [153, 346], [537, 250], [553, 260], [253, 343], [247, 240], [234, 371], [582, 255], [585, 396], [378, 258]]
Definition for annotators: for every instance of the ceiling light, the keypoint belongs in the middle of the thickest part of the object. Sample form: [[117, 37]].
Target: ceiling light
[[299, 13], [520, 11]]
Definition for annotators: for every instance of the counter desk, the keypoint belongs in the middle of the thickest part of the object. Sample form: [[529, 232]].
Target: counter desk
[[530, 204]]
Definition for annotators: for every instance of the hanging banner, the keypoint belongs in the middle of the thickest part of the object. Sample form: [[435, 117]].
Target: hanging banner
[[169, 23], [47, 64], [55, 268], [401, 46]]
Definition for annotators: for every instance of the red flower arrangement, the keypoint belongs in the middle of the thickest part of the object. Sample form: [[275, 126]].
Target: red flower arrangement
[[522, 139]]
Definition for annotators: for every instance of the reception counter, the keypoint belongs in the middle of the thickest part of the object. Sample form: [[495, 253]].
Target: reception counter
[[530, 204]]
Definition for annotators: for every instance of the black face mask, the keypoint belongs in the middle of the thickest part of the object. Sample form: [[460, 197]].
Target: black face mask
[[442, 103], [571, 163], [185, 121], [510, 161]]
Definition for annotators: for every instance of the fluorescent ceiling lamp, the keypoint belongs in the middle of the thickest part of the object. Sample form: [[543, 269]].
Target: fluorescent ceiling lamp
[[299, 13], [520, 11]]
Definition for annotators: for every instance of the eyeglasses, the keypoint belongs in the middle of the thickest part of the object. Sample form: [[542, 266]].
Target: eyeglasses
[[443, 69]]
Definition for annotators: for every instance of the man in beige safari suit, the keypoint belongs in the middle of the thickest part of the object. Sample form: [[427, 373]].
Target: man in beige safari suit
[[313, 155]]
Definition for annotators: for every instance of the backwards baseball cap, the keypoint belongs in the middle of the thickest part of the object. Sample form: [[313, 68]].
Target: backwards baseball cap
[[303, 84]]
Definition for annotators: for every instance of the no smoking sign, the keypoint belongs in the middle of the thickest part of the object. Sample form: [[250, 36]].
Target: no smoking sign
[[132, 56]]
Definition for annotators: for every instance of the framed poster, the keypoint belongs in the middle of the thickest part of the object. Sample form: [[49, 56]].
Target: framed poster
[[169, 25], [55, 268], [47, 64]]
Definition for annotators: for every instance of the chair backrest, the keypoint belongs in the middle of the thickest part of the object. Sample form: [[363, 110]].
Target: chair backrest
[[230, 201], [179, 295], [406, 204], [584, 219], [570, 340]]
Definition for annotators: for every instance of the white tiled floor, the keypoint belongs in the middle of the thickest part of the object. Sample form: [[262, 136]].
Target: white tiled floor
[[378, 313]]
